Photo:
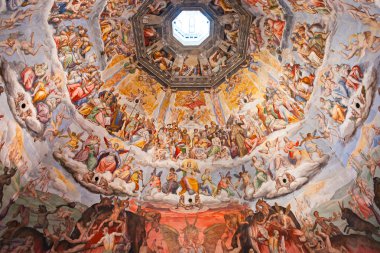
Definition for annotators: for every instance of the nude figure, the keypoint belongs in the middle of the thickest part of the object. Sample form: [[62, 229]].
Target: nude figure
[[54, 130], [362, 13], [86, 234], [118, 207], [359, 44], [329, 248], [108, 240], [12, 45], [10, 23]]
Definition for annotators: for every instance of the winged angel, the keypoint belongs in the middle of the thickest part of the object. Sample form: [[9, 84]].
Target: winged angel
[[192, 237]]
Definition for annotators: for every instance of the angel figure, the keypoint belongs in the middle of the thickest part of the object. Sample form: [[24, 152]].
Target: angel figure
[[310, 145], [225, 184], [54, 130], [246, 183], [75, 138], [109, 159], [324, 127], [155, 180]]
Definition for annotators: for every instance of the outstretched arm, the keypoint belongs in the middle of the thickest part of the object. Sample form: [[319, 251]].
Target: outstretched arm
[[70, 205], [99, 243], [4, 44], [350, 55], [11, 51], [117, 234], [315, 226], [4, 212], [32, 39]]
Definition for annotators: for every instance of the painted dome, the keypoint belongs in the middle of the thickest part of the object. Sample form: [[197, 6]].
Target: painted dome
[[189, 126]]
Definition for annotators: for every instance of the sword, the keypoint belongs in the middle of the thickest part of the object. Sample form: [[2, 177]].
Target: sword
[[234, 190], [143, 186]]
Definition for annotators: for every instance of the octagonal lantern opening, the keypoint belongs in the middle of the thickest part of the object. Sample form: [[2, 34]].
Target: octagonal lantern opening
[[191, 27]]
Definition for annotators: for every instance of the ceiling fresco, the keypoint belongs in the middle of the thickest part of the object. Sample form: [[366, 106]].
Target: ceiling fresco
[[261, 137]]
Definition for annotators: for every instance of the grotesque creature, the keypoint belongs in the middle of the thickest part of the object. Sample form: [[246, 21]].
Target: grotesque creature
[[191, 235], [5, 179], [356, 223], [376, 189]]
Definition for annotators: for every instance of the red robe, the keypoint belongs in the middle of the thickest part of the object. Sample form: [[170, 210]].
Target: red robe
[[28, 77]]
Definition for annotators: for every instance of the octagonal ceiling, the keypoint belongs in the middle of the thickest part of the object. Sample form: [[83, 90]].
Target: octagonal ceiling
[[191, 28], [198, 63], [109, 123]]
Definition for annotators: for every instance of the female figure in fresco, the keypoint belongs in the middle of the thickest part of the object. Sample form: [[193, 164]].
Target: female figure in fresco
[[95, 111], [125, 171], [89, 152], [261, 174], [155, 181], [109, 159], [43, 88], [189, 181]]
